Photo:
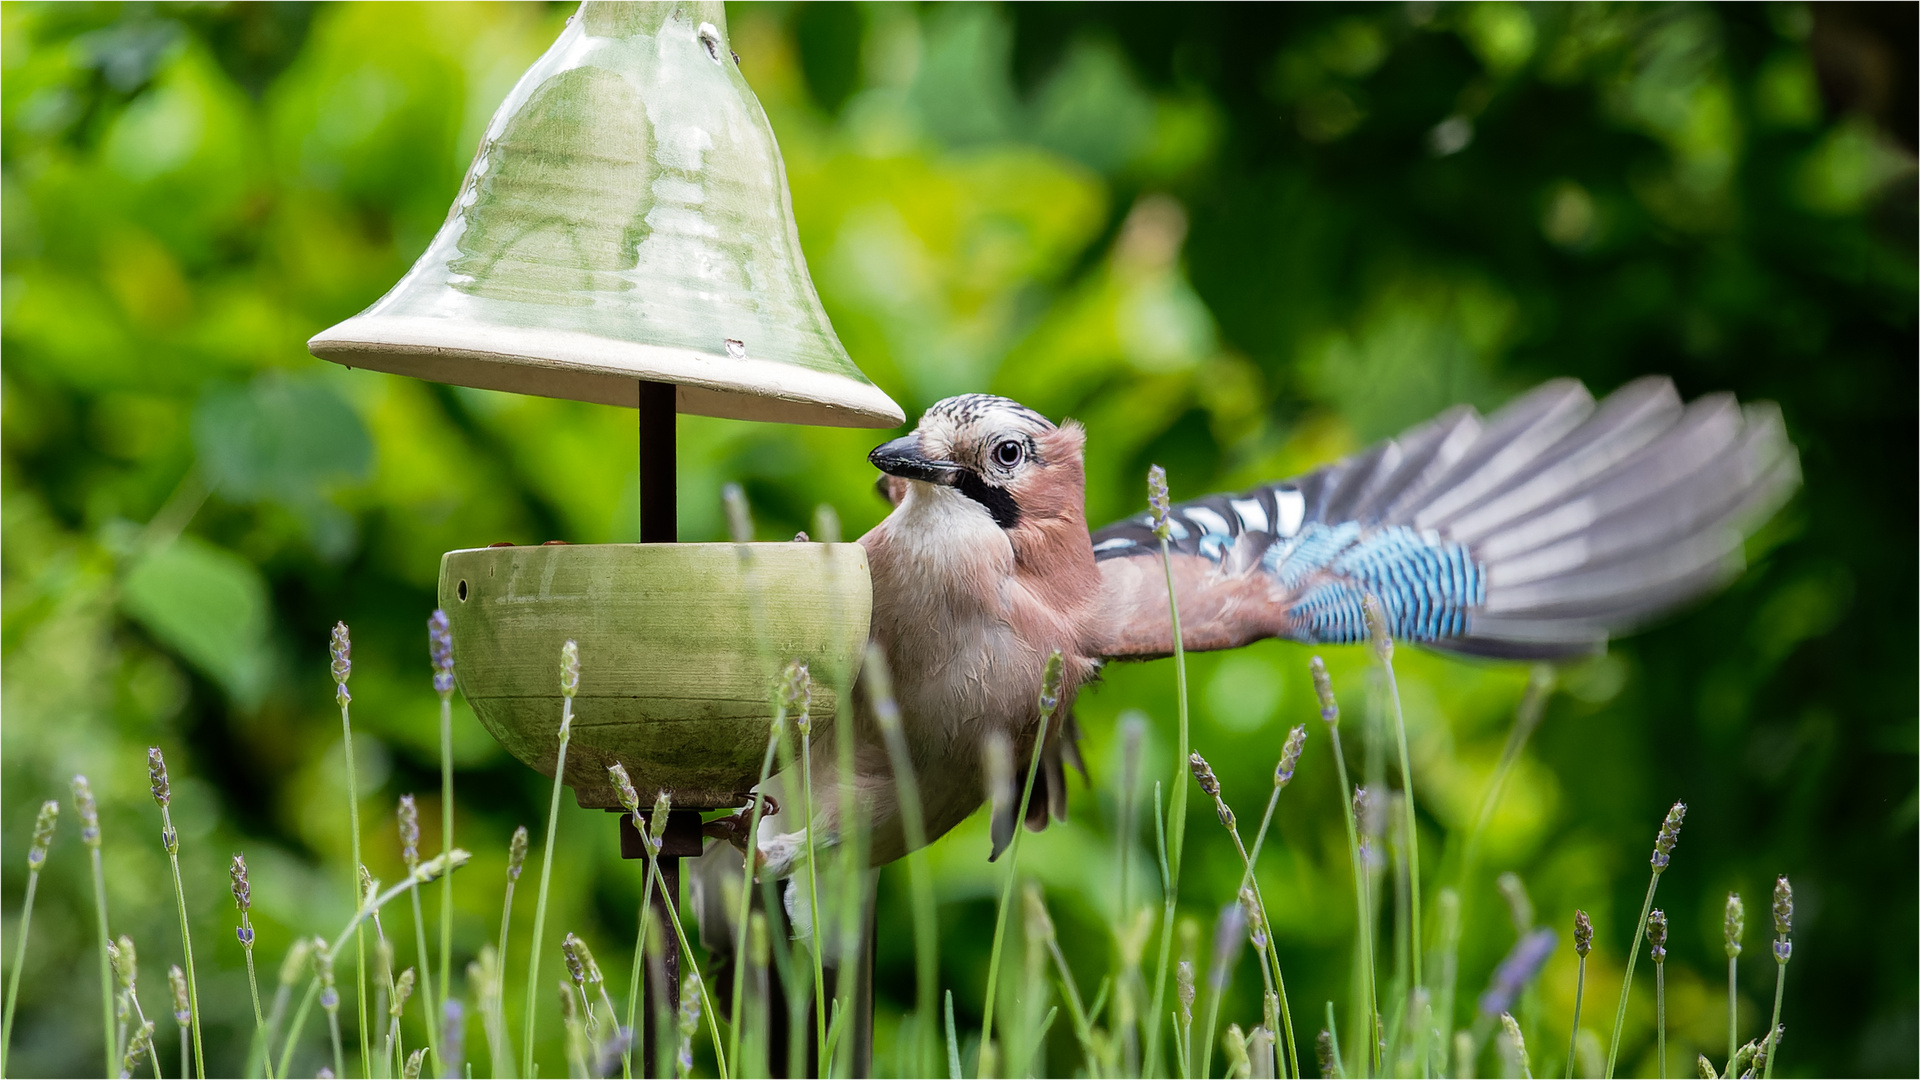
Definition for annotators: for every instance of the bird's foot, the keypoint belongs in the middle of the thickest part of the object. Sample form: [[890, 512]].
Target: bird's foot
[[735, 829]]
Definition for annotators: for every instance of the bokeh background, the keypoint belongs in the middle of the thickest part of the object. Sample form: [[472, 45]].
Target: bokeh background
[[1237, 241]]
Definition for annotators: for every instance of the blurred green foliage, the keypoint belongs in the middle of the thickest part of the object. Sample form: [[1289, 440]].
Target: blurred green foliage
[[1236, 241]]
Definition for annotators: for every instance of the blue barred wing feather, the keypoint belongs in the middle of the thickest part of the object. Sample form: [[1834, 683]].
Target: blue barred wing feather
[[1538, 532]]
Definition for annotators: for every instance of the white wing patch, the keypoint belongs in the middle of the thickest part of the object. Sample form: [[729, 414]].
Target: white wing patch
[[1209, 521], [1253, 516], [1292, 507]]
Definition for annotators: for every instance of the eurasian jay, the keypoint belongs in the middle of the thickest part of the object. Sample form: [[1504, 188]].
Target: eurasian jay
[[1535, 533]]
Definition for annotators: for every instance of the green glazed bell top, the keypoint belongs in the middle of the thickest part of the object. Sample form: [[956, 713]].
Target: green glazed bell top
[[626, 218]]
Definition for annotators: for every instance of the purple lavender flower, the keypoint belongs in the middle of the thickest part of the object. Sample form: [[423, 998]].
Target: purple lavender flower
[[1203, 773], [1782, 919], [409, 815], [1229, 932], [157, 777], [1290, 756], [42, 834], [1523, 962], [340, 647], [1159, 503], [440, 647], [1669, 836], [242, 886], [1323, 689]]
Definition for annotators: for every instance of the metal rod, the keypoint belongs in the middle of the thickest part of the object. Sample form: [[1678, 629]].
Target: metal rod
[[658, 417], [682, 840]]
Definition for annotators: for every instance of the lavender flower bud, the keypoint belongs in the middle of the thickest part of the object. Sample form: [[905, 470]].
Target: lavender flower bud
[[182, 1002], [1582, 933], [157, 777], [1203, 773], [569, 669], [1256, 926], [340, 647], [1050, 683], [1511, 1029], [1323, 1051], [1657, 935], [125, 961], [367, 885], [242, 887], [137, 1049], [402, 990], [1782, 919], [1706, 1069], [409, 832], [42, 835], [440, 648], [623, 787], [1229, 931], [1290, 756], [1235, 1046], [1183, 985], [689, 1019], [1765, 1048], [1522, 963], [1159, 504], [1736, 924], [1366, 821], [797, 697], [580, 963], [657, 821], [411, 1070], [689, 1002], [586, 960], [1323, 689], [323, 970], [1377, 626], [516, 853], [1669, 836], [83, 805], [295, 963]]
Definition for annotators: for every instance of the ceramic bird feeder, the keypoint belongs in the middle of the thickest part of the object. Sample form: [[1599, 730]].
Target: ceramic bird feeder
[[625, 236]]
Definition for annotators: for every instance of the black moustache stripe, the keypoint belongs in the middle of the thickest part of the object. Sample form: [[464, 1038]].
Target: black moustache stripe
[[998, 501]]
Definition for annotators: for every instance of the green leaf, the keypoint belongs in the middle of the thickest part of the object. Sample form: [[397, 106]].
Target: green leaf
[[208, 605], [279, 437]]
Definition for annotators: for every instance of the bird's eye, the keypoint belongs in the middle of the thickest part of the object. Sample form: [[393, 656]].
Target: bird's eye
[[1009, 453]]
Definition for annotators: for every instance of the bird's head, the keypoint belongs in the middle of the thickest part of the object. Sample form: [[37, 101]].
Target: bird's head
[[1014, 463]]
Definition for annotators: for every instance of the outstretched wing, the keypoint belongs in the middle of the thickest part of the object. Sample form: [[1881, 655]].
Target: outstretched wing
[[1538, 532]]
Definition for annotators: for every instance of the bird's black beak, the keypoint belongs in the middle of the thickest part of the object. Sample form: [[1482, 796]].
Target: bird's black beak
[[903, 457]]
